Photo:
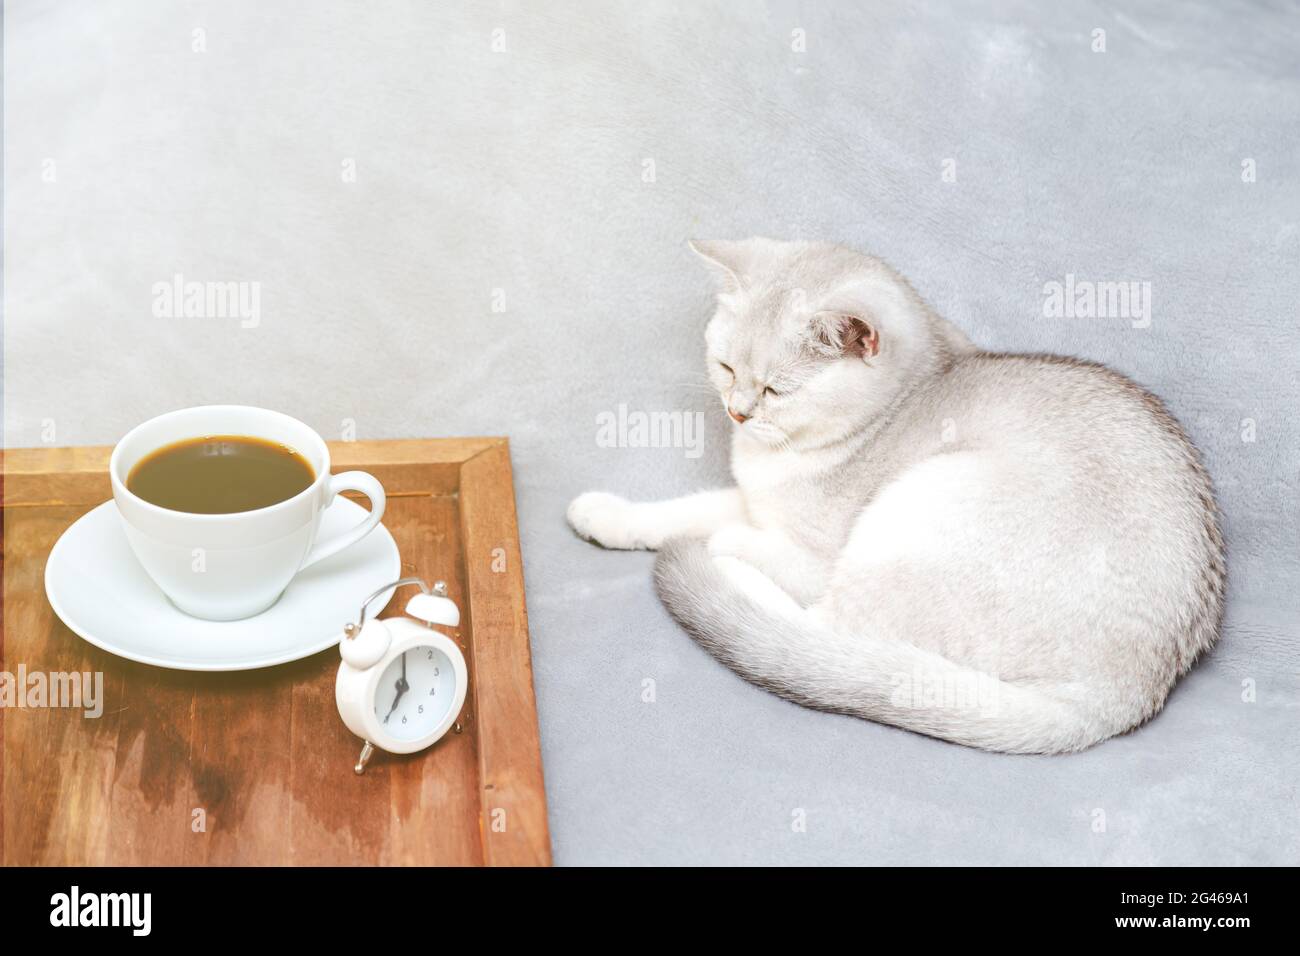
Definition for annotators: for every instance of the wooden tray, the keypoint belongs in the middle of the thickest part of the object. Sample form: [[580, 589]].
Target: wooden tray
[[263, 753]]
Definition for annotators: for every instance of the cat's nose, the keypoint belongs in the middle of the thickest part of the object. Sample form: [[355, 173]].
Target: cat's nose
[[736, 416]]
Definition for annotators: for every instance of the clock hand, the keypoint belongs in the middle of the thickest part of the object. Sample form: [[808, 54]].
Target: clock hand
[[402, 687]]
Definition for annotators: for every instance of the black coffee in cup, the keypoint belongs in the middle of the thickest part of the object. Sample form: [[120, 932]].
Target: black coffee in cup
[[220, 474]]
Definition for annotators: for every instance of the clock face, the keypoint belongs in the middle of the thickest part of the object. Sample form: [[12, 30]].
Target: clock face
[[415, 692]]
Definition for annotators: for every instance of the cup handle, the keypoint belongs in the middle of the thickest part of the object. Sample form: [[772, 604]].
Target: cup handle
[[369, 486]]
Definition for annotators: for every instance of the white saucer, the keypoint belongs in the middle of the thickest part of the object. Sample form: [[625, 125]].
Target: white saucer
[[98, 588]]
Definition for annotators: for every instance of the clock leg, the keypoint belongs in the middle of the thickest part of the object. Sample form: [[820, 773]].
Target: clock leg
[[366, 753]]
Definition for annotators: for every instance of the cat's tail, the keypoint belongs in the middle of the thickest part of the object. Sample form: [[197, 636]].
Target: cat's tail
[[741, 618]]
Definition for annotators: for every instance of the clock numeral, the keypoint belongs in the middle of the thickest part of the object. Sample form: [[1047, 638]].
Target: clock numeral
[[430, 654], [433, 691], [421, 708]]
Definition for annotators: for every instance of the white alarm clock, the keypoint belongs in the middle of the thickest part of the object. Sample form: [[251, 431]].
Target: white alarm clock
[[402, 684]]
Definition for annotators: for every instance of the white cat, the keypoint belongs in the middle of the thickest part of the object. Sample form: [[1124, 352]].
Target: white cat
[[1015, 552]]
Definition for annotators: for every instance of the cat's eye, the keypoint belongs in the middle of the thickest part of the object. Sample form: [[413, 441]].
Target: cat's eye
[[727, 368], [772, 393]]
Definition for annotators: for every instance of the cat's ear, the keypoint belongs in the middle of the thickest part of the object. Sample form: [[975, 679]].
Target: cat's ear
[[844, 333], [725, 258]]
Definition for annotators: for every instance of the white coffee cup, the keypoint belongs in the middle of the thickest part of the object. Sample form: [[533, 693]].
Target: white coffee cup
[[223, 567]]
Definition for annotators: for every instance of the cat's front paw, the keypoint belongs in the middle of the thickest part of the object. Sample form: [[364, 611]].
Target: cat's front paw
[[607, 520]]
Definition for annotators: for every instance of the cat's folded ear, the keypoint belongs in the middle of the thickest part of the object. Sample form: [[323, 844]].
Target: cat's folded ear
[[725, 258], [843, 333]]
